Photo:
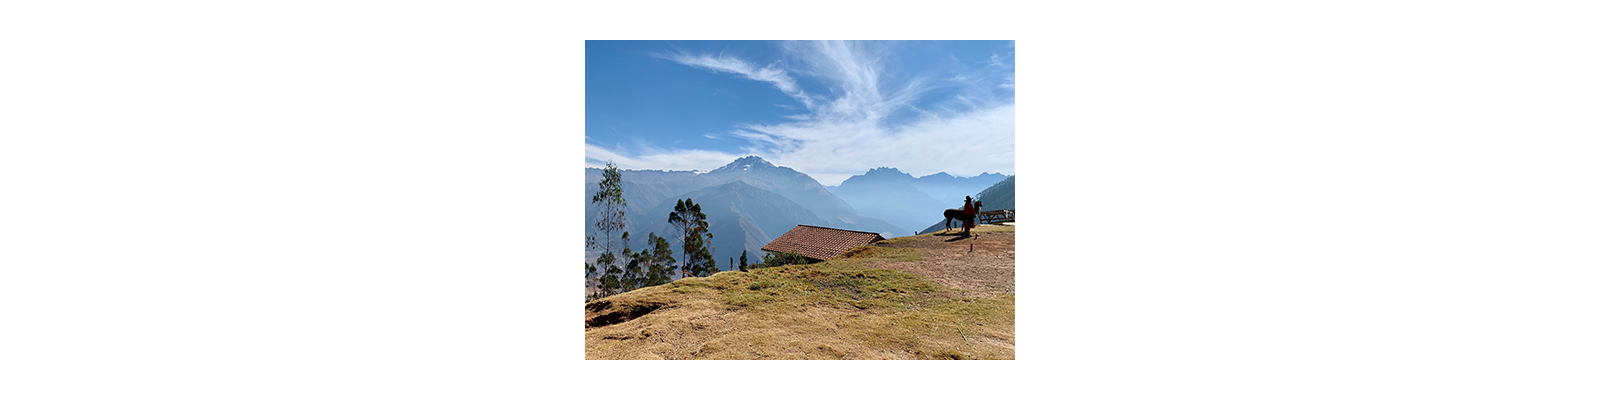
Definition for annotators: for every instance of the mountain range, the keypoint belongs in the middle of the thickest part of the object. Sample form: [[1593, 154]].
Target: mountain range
[[747, 203], [910, 202], [750, 201], [889, 194]]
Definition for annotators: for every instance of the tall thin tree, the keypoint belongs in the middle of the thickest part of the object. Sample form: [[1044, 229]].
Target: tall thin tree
[[609, 221]]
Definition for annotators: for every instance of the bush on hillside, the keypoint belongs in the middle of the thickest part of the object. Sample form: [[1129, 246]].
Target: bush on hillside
[[781, 259]]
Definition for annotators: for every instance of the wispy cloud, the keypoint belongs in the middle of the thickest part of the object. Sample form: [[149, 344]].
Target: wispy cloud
[[996, 62], [726, 64], [848, 131], [967, 143]]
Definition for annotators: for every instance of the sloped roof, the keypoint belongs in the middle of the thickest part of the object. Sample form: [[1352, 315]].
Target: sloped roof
[[820, 242]]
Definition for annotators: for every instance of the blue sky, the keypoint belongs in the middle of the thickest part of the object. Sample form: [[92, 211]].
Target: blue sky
[[829, 109]]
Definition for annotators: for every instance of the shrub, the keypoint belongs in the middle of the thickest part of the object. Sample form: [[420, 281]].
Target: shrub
[[780, 259]]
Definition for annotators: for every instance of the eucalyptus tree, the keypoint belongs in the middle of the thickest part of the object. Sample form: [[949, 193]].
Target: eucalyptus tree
[[657, 261], [604, 273], [693, 231]]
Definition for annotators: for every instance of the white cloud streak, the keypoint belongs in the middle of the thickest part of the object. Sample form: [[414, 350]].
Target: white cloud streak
[[720, 63], [965, 144]]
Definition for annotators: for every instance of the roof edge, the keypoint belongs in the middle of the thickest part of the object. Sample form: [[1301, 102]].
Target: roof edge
[[837, 229]]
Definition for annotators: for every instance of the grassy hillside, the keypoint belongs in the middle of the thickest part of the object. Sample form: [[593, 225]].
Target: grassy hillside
[[832, 310]]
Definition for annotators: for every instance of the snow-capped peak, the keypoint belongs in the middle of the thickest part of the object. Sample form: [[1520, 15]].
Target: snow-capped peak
[[745, 164]]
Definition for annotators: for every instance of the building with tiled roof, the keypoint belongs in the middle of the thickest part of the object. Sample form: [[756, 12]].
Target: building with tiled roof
[[819, 243]]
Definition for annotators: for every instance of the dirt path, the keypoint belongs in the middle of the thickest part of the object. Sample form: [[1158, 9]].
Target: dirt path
[[984, 264]]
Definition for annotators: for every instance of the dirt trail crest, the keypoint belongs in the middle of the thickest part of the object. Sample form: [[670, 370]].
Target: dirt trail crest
[[988, 268]]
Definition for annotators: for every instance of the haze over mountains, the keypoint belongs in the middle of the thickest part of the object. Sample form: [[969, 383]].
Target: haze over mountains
[[909, 202], [750, 201], [951, 190]]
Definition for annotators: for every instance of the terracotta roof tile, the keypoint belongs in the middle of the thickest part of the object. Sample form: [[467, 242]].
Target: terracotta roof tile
[[819, 242]]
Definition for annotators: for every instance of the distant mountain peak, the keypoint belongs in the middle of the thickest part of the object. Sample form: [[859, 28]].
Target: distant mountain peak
[[880, 174], [746, 163], [886, 172]]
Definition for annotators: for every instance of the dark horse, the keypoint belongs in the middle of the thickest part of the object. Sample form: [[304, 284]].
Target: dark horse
[[952, 214]]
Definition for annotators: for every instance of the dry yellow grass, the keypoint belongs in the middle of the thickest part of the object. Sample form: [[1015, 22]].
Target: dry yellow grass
[[831, 310]]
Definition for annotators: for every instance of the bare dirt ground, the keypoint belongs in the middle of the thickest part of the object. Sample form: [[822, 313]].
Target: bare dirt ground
[[984, 264]]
